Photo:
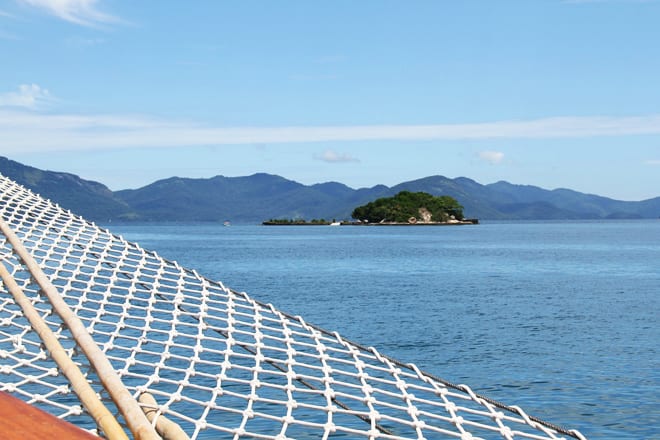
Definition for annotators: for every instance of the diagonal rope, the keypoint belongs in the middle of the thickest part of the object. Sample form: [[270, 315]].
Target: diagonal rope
[[103, 417], [130, 409]]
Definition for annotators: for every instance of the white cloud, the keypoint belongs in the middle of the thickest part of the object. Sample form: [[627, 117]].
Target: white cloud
[[80, 42], [334, 157], [82, 12], [653, 162], [22, 131], [28, 96], [492, 157]]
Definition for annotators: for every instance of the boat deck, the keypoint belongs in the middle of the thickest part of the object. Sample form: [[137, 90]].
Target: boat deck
[[18, 420]]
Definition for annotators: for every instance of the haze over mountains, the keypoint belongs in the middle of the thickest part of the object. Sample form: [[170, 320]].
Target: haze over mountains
[[252, 199]]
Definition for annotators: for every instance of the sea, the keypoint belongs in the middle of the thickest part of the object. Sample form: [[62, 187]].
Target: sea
[[560, 318]]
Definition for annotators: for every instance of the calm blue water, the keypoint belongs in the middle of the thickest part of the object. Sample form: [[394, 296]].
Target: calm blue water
[[559, 318]]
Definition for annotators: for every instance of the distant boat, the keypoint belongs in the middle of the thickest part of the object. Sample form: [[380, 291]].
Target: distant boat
[[227, 223], [335, 224]]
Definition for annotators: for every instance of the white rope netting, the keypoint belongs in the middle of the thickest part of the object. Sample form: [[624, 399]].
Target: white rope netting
[[219, 363]]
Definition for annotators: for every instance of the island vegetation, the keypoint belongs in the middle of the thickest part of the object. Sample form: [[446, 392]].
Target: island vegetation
[[405, 208], [411, 208]]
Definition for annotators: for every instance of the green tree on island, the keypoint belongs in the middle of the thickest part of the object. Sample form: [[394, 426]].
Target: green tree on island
[[406, 206]]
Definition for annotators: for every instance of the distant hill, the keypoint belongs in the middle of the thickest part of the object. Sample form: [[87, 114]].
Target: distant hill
[[242, 199], [92, 200], [259, 197]]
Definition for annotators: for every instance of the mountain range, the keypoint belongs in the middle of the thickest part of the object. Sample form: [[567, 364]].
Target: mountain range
[[252, 199]]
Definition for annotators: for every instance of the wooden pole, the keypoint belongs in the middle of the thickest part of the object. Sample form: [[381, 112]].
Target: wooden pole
[[168, 429], [135, 419], [88, 397]]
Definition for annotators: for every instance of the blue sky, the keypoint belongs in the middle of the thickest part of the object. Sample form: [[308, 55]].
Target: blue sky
[[554, 93]]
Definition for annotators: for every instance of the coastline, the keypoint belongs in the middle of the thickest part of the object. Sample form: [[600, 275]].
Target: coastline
[[471, 221]]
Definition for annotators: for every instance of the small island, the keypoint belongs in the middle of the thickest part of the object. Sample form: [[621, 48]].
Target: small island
[[404, 209], [412, 208]]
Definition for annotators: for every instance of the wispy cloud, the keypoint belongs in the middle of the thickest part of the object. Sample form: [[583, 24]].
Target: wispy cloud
[[653, 162], [332, 156], [80, 42], [492, 157], [7, 36], [23, 131], [82, 12], [3, 34], [28, 96]]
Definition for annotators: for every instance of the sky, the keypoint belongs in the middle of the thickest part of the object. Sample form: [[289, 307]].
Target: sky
[[552, 93]]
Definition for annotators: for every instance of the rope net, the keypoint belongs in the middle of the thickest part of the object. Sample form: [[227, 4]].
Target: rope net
[[218, 363]]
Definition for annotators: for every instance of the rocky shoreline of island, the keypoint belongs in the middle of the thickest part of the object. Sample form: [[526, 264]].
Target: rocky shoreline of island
[[300, 222]]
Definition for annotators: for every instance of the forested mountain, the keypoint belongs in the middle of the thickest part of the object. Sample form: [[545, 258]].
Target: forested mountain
[[242, 199], [92, 200], [259, 197]]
